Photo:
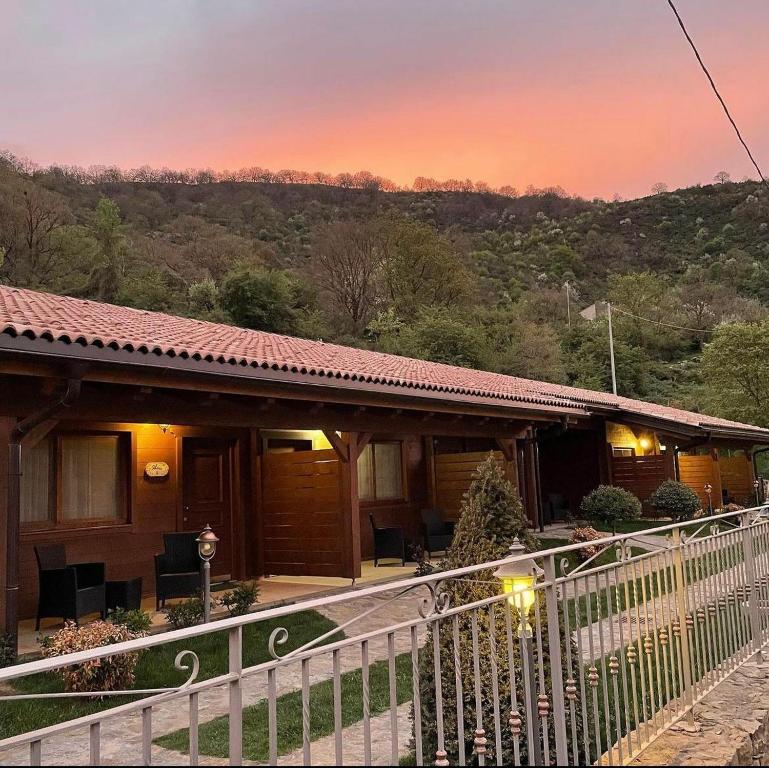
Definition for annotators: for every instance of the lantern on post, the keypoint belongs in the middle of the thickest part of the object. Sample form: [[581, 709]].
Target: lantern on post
[[519, 576], [709, 494], [207, 541]]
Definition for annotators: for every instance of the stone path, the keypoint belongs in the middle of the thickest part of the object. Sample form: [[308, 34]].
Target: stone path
[[121, 736]]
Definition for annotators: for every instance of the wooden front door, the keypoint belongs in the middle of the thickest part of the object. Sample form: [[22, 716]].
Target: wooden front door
[[207, 494]]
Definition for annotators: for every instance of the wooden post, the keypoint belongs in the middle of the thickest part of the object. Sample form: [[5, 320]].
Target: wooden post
[[508, 446], [255, 518], [348, 448], [6, 428], [432, 491]]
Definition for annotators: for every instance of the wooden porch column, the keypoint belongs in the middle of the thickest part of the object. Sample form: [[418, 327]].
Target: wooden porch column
[[6, 429], [432, 491], [348, 447], [532, 481], [255, 518]]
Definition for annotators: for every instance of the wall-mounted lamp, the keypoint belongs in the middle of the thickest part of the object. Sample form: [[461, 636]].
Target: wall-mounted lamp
[[165, 429], [645, 443]]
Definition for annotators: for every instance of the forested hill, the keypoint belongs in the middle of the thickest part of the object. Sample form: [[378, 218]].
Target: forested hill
[[469, 278]]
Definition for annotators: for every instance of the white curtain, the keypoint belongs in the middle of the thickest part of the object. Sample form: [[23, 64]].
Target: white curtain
[[90, 469], [366, 473], [35, 481], [389, 476]]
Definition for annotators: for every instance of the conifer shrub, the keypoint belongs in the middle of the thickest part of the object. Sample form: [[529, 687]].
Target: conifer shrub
[[492, 516]]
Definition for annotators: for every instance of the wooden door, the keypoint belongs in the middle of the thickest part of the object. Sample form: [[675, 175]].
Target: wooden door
[[207, 494]]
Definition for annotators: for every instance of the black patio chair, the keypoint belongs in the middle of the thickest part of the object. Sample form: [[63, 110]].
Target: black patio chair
[[67, 590], [388, 542], [437, 532], [177, 569]]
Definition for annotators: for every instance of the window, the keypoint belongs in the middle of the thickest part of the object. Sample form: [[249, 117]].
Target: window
[[622, 451], [380, 472], [75, 479]]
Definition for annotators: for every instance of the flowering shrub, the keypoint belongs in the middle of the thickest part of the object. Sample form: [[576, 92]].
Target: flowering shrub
[[110, 673], [580, 535]]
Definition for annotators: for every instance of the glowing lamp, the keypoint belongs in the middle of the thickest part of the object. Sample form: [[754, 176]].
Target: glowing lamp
[[518, 579], [164, 428], [207, 542], [645, 443]]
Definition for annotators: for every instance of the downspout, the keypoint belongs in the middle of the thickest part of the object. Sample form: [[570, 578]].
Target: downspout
[[14, 502]]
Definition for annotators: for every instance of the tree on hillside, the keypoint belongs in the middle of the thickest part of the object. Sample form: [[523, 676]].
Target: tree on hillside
[[107, 271], [722, 177], [262, 299], [440, 335], [421, 268], [30, 218], [659, 188], [735, 372], [346, 257]]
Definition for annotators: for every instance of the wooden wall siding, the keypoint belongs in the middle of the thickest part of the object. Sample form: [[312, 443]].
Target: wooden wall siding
[[127, 550], [737, 479], [403, 513], [453, 475], [302, 513], [641, 475], [697, 472]]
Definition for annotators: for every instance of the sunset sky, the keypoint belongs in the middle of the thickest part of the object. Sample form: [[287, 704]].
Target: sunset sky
[[598, 96]]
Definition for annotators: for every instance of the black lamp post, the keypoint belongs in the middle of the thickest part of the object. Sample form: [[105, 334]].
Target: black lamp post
[[207, 542]]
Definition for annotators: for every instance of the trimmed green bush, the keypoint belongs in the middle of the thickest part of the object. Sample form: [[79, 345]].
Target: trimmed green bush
[[491, 517], [238, 602], [608, 504], [186, 613], [134, 620], [675, 500]]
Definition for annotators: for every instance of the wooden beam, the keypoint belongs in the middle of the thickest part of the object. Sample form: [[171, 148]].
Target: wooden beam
[[340, 446], [36, 434], [507, 446]]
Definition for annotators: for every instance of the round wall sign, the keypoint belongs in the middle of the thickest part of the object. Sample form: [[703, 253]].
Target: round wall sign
[[156, 469]]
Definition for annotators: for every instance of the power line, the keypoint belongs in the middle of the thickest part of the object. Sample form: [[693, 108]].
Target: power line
[[660, 322], [715, 90]]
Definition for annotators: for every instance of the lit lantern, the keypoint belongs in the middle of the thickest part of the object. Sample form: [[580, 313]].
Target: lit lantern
[[518, 579], [645, 443]]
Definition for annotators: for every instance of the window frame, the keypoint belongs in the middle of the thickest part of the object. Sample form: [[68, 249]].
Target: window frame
[[616, 455], [56, 521], [403, 489]]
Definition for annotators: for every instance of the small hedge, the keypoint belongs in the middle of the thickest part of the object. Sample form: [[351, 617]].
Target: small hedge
[[675, 500], [608, 504]]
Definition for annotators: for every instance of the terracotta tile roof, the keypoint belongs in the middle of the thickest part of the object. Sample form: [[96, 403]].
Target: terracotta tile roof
[[59, 318]]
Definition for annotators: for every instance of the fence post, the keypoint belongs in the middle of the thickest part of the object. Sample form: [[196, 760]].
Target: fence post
[[236, 695], [556, 667], [686, 662], [751, 589]]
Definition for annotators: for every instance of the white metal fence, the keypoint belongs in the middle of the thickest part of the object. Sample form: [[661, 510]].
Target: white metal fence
[[612, 651]]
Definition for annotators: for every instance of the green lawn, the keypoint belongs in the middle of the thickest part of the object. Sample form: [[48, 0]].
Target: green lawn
[[214, 734], [156, 670]]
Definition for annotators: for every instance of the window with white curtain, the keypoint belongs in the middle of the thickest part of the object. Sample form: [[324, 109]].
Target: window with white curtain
[[380, 471], [74, 478], [36, 498], [90, 482]]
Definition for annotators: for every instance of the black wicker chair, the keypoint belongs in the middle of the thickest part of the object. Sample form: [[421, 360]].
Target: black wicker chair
[[437, 532], [388, 542], [177, 569], [67, 591]]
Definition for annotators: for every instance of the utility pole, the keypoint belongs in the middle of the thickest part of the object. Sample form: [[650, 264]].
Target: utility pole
[[611, 351], [568, 303]]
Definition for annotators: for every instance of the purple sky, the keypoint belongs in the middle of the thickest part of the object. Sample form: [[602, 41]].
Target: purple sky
[[598, 96]]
